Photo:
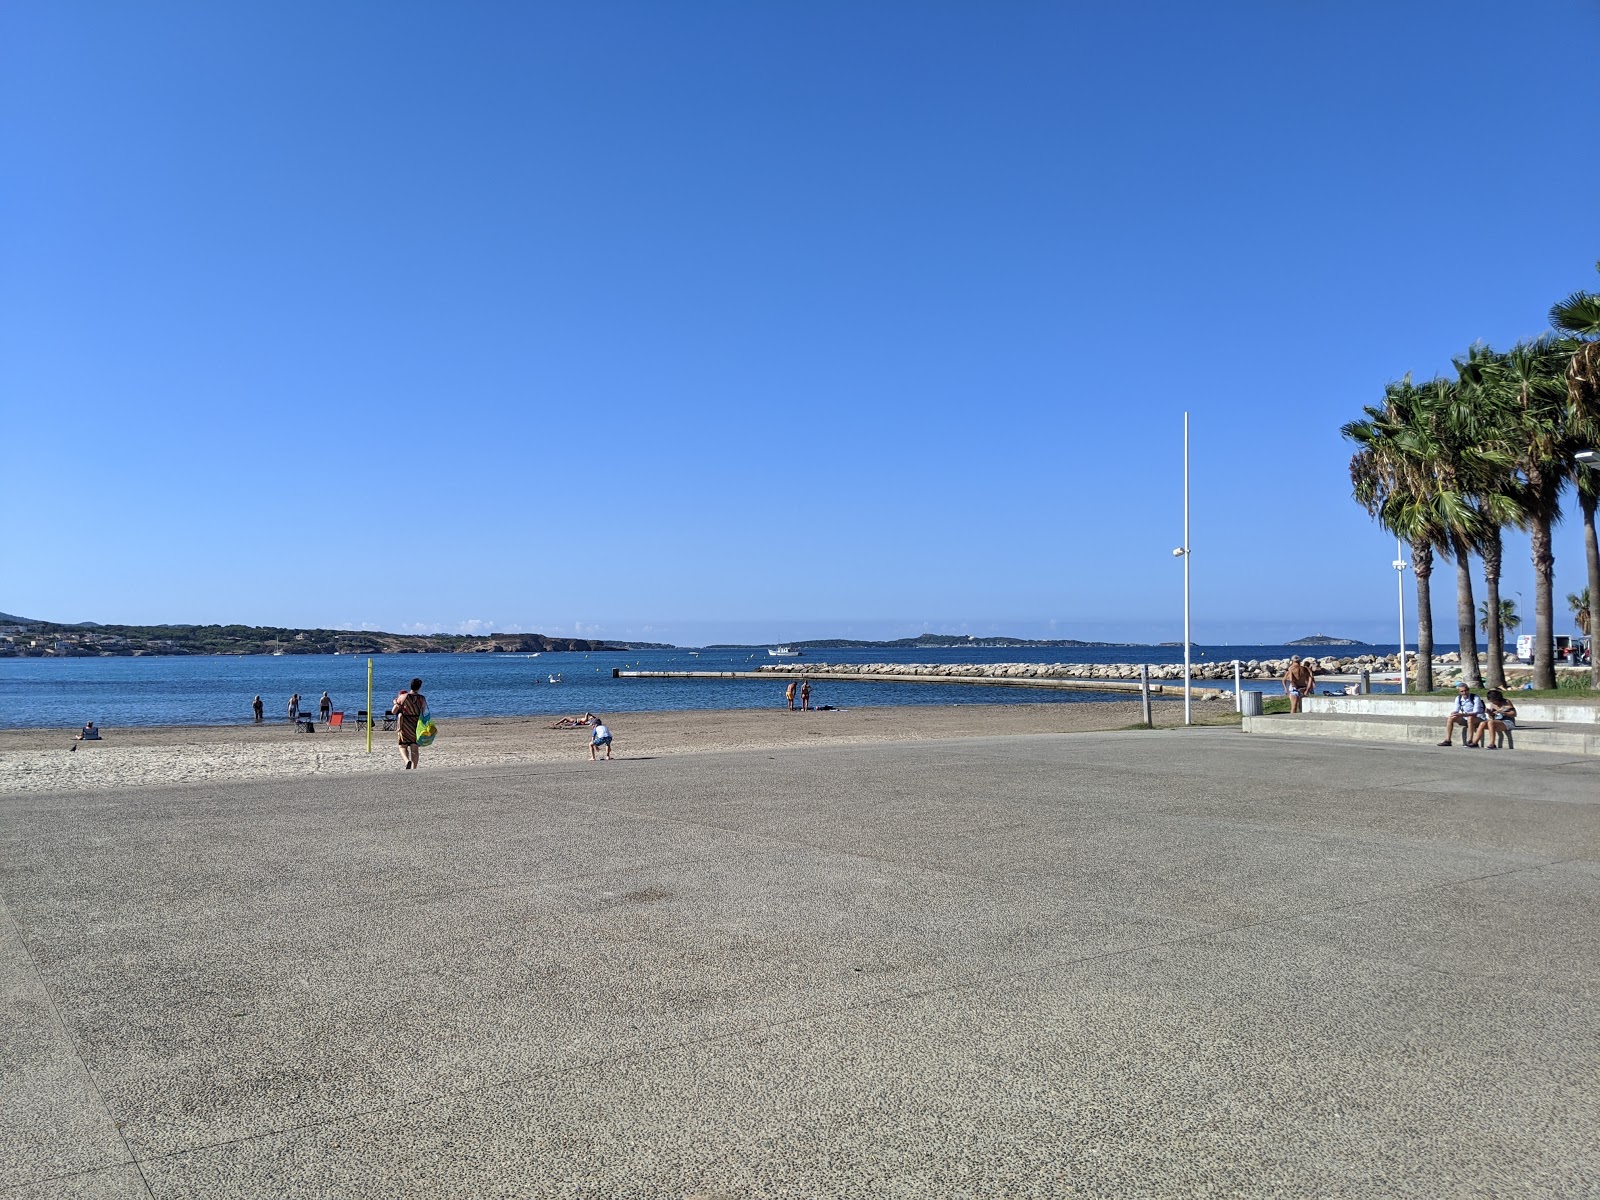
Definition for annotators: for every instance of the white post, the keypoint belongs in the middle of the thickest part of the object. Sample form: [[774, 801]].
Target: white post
[[1188, 718], [1400, 579], [1238, 686]]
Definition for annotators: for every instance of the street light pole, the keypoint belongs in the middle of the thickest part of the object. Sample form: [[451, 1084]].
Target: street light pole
[[1400, 582], [1187, 715], [1183, 553]]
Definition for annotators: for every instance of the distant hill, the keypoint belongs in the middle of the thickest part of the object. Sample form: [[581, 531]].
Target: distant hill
[[1322, 639], [90, 638]]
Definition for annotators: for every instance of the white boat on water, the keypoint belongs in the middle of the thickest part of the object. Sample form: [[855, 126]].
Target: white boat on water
[[782, 652]]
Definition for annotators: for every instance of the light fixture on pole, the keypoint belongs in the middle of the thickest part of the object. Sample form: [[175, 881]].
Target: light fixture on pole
[[1399, 566], [1183, 553]]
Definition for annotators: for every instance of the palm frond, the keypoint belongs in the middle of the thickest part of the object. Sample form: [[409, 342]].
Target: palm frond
[[1579, 314]]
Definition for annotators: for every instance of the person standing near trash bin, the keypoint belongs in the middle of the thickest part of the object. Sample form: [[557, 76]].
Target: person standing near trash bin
[[1298, 682]]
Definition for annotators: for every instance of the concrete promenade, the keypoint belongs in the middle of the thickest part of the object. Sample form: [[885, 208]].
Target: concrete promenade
[[1141, 964]]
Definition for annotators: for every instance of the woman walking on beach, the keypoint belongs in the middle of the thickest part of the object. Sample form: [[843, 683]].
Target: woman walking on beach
[[409, 706]]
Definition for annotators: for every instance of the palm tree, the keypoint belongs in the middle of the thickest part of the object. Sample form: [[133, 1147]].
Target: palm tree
[[1579, 315], [1525, 391], [1506, 618], [1448, 410], [1487, 473], [1391, 478], [1578, 602]]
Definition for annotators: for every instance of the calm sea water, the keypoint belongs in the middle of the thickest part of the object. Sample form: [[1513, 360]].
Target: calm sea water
[[217, 690]]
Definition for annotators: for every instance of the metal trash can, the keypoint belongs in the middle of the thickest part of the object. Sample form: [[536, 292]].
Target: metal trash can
[[1250, 703]]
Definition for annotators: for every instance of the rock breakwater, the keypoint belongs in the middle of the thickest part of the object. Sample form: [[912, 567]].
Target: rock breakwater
[[1209, 669]]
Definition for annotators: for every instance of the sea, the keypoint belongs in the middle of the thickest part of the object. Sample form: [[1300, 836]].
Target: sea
[[218, 689]]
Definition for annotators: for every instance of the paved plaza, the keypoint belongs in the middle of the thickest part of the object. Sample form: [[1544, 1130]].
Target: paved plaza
[[1139, 964]]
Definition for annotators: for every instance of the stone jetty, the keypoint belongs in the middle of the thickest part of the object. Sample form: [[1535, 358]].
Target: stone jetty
[[1206, 669]]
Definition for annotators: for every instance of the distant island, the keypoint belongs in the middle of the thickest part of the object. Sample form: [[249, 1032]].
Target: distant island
[[1322, 639], [25, 638], [926, 641]]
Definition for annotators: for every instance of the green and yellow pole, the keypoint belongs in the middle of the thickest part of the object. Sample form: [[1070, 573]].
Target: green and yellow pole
[[369, 706]]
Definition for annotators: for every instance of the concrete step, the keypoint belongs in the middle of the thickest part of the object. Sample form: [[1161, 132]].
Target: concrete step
[[1555, 737]]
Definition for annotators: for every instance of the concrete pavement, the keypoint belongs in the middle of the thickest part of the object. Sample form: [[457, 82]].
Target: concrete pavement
[[1155, 963]]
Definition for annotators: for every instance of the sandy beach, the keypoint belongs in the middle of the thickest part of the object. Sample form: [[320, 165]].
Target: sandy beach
[[41, 760]]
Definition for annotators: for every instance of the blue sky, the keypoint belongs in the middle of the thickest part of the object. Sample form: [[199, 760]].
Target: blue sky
[[710, 321]]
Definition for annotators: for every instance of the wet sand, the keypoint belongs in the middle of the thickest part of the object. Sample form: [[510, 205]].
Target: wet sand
[[41, 760]]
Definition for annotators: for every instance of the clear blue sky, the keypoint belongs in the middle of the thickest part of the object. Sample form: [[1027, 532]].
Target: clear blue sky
[[719, 320]]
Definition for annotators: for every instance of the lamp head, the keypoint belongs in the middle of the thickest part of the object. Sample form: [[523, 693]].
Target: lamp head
[[1179, 552]]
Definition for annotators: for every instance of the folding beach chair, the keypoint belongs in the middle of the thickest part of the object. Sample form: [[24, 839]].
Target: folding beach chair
[[336, 721]]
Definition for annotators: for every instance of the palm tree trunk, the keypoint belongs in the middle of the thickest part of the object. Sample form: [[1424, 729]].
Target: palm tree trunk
[[1544, 572], [1492, 553], [1588, 503], [1466, 613], [1422, 567]]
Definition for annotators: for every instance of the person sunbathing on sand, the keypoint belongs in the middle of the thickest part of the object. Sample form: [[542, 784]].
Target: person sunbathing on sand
[[582, 722]]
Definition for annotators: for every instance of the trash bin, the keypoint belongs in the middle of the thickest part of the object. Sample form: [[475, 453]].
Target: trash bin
[[1250, 703]]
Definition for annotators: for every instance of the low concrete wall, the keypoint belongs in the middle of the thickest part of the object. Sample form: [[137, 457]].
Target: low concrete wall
[[1379, 729], [1437, 707]]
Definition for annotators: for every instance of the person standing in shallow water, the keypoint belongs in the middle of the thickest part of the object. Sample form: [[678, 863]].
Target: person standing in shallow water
[[408, 706], [325, 707], [294, 706], [259, 709], [788, 695], [805, 695]]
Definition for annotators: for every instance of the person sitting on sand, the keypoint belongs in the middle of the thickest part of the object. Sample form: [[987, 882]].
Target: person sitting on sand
[[1500, 718], [1298, 681], [602, 737], [1467, 713], [88, 734]]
